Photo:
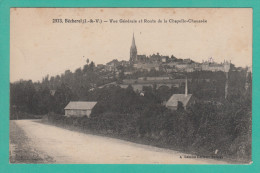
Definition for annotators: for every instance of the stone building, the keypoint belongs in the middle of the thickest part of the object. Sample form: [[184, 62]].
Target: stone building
[[212, 66]]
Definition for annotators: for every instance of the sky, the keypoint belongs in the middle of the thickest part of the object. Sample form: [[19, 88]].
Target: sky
[[39, 47]]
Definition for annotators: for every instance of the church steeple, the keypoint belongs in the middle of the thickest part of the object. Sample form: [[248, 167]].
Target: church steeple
[[133, 51], [133, 41]]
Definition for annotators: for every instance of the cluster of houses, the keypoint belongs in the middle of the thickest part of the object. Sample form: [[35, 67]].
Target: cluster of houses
[[164, 64], [159, 62]]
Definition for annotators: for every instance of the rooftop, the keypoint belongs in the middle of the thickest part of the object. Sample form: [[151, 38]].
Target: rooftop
[[80, 105], [175, 98]]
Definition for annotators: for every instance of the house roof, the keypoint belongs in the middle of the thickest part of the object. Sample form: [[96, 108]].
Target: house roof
[[80, 105], [173, 101]]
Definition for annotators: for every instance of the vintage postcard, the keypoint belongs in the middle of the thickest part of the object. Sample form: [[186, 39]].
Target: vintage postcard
[[131, 85]]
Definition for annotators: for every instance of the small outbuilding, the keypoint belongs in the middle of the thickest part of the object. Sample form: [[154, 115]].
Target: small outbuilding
[[185, 99], [79, 108]]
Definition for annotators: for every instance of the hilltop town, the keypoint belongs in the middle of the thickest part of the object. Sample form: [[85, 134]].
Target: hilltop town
[[162, 63], [142, 70]]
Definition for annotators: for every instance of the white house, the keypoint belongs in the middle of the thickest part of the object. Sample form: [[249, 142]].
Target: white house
[[79, 108]]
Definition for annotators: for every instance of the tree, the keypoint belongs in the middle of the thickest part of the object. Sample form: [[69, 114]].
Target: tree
[[180, 106], [92, 66], [121, 70], [41, 101], [62, 96]]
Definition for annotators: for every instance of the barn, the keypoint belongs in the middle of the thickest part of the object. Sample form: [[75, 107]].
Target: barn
[[79, 108]]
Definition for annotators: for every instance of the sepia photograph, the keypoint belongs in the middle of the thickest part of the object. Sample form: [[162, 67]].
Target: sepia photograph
[[130, 86]]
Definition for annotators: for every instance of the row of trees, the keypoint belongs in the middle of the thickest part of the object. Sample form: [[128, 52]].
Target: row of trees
[[52, 95], [25, 98]]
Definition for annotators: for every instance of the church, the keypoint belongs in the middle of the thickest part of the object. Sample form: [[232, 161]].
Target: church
[[142, 62]]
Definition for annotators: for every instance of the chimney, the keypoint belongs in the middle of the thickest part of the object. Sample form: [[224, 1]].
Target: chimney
[[226, 86], [186, 87]]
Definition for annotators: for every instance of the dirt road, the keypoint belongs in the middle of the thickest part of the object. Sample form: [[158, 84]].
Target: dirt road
[[50, 144]]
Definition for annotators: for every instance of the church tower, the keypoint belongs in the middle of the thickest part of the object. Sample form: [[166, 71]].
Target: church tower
[[133, 51]]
